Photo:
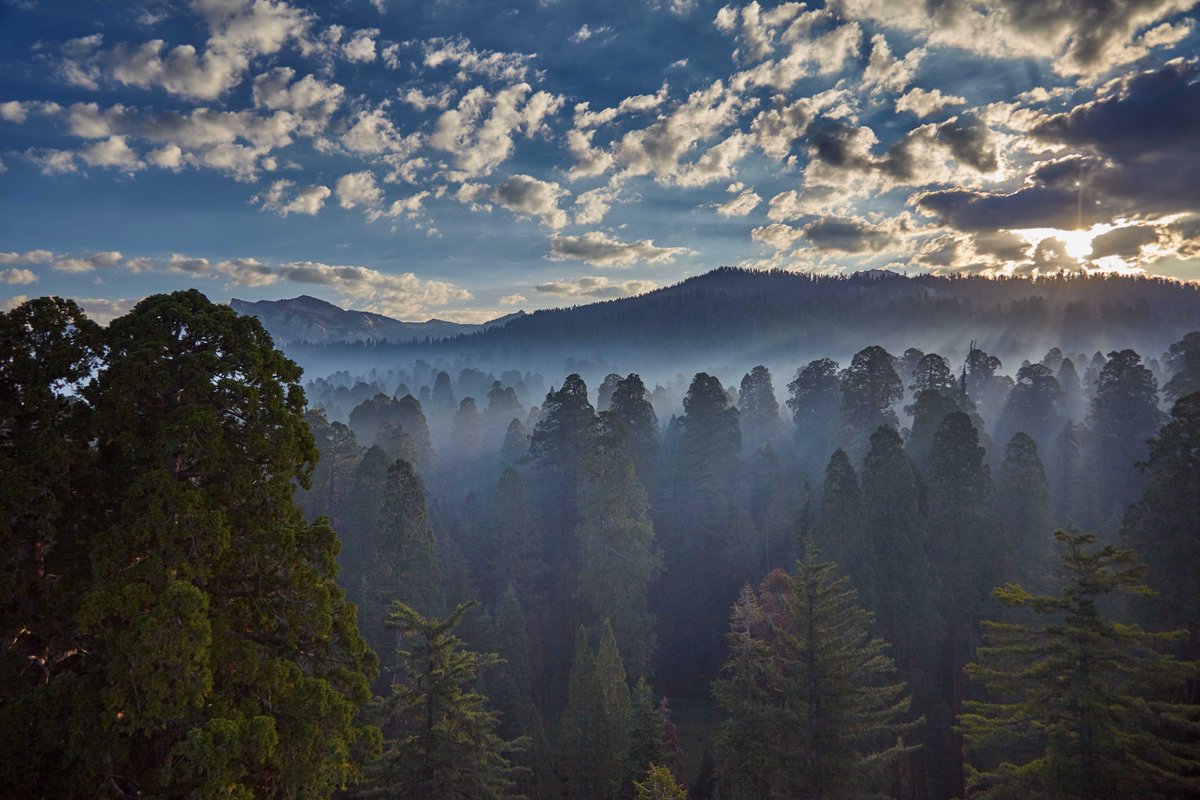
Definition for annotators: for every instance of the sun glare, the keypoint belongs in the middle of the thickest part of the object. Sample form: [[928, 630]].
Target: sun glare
[[1077, 244]]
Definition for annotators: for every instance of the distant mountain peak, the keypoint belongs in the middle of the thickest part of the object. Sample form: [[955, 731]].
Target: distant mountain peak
[[311, 319]]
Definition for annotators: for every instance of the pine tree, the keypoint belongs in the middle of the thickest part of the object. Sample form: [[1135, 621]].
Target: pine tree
[[1164, 525], [404, 565], [1183, 359], [1023, 508], [516, 553], [647, 745], [1124, 417], [510, 681], [839, 528], [1081, 707], [659, 784], [595, 727], [516, 444], [811, 688], [870, 388], [618, 554], [758, 410], [815, 402], [1033, 407], [630, 404], [441, 739], [604, 394], [558, 445]]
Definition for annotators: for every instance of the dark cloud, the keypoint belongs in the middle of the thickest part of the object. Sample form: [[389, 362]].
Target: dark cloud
[[1124, 242], [1149, 111], [971, 142], [846, 235], [1032, 207]]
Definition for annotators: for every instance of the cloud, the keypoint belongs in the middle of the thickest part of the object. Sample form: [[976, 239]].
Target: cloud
[[777, 235], [524, 194], [358, 189], [416, 98], [925, 103], [18, 277], [1080, 38], [309, 98], [112, 152], [740, 206], [479, 144], [601, 250], [585, 118], [512, 299], [457, 51], [373, 133], [103, 260], [53, 162], [103, 310], [361, 47], [28, 257], [240, 31], [407, 207], [885, 72], [594, 204], [308, 200], [584, 33], [594, 288], [383, 293], [847, 235]]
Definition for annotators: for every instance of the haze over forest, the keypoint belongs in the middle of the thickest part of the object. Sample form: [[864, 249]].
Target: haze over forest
[[377, 419]]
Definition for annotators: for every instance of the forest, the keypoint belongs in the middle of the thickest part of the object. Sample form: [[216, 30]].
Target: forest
[[877, 574]]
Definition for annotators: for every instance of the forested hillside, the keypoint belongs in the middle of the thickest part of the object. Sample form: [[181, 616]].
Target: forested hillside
[[842, 581], [738, 317]]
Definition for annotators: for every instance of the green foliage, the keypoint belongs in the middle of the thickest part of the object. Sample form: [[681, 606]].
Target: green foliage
[[1164, 525], [210, 650], [1023, 508], [1183, 359], [618, 556], [815, 399], [595, 737], [632, 407], [758, 410], [1124, 417], [659, 784], [1081, 706], [813, 707], [441, 739], [870, 387]]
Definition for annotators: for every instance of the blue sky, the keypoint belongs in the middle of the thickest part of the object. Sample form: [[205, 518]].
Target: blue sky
[[462, 160]]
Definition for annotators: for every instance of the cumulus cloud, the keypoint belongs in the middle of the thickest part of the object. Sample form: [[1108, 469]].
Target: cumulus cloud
[[526, 195], [478, 133], [512, 299], [1080, 38], [847, 235], [372, 132], [594, 288], [584, 33], [593, 205], [18, 276], [240, 31], [53, 162], [777, 235], [102, 260], [925, 103], [361, 46], [27, 257], [885, 72], [456, 51], [601, 250], [111, 152], [741, 205], [312, 100], [307, 200], [358, 189]]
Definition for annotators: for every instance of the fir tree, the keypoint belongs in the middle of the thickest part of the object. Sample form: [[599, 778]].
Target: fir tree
[[758, 410], [870, 388], [516, 444], [659, 784], [839, 529], [811, 688], [815, 398], [1183, 359], [618, 554], [1023, 508], [595, 727], [1081, 707], [630, 404], [441, 739]]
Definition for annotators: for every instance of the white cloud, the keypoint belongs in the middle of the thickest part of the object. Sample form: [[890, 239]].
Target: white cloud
[[309, 98], [524, 194], [111, 152], [777, 235], [308, 200], [18, 277], [53, 162], [104, 260], [361, 47], [741, 205], [374, 133], [593, 205], [925, 103], [477, 144], [28, 257], [457, 51], [885, 72], [594, 287], [584, 118], [601, 250], [358, 189], [584, 33], [512, 299], [416, 98], [408, 207]]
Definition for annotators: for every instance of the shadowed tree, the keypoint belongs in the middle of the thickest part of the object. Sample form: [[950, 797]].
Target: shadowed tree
[[1183, 360], [1033, 407], [870, 387], [758, 410], [815, 399], [1164, 525], [633, 408], [1023, 509]]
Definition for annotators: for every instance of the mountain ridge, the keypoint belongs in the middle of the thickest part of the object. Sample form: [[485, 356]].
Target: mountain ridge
[[305, 318]]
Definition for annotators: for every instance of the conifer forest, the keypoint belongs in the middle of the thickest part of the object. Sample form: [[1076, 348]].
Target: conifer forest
[[893, 574]]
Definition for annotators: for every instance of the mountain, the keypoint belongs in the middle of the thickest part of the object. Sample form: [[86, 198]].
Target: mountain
[[730, 317], [307, 319]]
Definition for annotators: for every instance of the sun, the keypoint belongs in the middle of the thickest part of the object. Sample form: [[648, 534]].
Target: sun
[[1076, 243]]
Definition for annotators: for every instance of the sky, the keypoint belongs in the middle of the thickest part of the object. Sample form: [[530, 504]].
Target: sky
[[462, 160]]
